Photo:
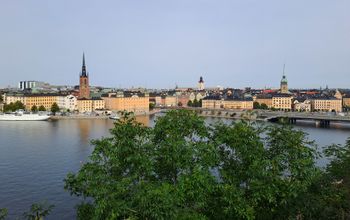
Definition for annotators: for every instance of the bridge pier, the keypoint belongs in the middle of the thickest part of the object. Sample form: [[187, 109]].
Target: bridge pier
[[324, 123], [292, 120]]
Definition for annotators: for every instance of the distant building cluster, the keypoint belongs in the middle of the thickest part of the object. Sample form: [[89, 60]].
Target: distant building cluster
[[85, 98]]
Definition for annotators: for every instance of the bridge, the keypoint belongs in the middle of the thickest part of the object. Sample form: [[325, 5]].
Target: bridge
[[323, 119]]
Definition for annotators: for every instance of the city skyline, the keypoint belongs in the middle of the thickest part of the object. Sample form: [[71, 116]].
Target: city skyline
[[160, 44]]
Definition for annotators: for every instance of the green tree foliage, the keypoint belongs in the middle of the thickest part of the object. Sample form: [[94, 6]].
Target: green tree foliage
[[256, 105], [146, 173], [262, 177], [3, 214], [12, 107], [329, 198], [184, 169], [195, 103], [54, 108], [38, 211], [151, 106], [189, 103], [34, 108], [263, 106], [42, 108]]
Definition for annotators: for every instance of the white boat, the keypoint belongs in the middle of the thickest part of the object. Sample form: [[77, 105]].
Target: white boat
[[114, 117], [22, 116]]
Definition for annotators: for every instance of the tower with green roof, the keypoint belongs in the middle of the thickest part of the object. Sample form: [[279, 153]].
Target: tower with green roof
[[284, 83]]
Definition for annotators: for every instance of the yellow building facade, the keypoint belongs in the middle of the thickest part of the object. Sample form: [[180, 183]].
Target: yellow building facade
[[282, 102], [133, 103], [29, 100], [227, 104], [346, 101], [41, 100], [326, 104], [90, 105], [266, 101]]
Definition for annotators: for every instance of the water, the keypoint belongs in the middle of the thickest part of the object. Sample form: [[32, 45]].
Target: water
[[35, 157]]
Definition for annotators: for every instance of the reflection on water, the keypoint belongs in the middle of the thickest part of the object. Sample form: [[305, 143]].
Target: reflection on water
[[35, 157]]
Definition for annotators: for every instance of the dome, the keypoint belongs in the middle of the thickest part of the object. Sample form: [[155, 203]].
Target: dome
[[284, 79]]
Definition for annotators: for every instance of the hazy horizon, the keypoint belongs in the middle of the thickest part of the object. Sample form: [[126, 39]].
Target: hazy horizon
[[160, 44]]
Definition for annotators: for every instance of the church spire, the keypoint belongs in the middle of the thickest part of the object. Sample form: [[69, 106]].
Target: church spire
[[83, 59], [83, 68]]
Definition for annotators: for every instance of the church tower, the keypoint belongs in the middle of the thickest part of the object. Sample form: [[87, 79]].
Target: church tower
[[200, 84], [84, 88], [284, 83]]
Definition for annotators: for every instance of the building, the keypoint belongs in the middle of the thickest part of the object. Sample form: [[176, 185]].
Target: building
[[264, 99], [38, 100], [326, 104], [212, 102], [89, 105], [12, 98], [84, 88], [282, 101], [346, 101], [201, 83], [215, 102], [238, 103], [302, 105], [68, 103], [30, 100], [23, 85], [136, 102], [169, 100], [338, 94]]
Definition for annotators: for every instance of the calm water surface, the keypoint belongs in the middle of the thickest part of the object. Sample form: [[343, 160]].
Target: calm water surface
[[35, 157]]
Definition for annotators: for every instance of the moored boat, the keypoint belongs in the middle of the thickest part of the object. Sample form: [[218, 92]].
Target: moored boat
[[22, 116], [114, 117]]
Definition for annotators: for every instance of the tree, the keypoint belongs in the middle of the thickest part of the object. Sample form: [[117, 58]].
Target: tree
[[12, 107], [148, 173], [263, 106], [38, 211], [42, 108], [256, 105], [261, 178], [3, 214], [34, 108], [151, 106], [179, 104], [195, 103], [54, 108], [184, 169], [189, 103]]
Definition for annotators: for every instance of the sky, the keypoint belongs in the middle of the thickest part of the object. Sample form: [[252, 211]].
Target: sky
[[163, 43]]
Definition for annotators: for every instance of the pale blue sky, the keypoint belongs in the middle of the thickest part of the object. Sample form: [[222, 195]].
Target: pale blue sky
[[157, 43]]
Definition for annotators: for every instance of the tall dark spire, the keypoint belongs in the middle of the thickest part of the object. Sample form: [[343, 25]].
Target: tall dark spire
[[83, 68]]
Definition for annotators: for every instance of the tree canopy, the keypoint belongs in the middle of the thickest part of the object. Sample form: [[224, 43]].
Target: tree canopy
[[183, 168], [54, 108], [42, 108], [34, 108], [12, 107]]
